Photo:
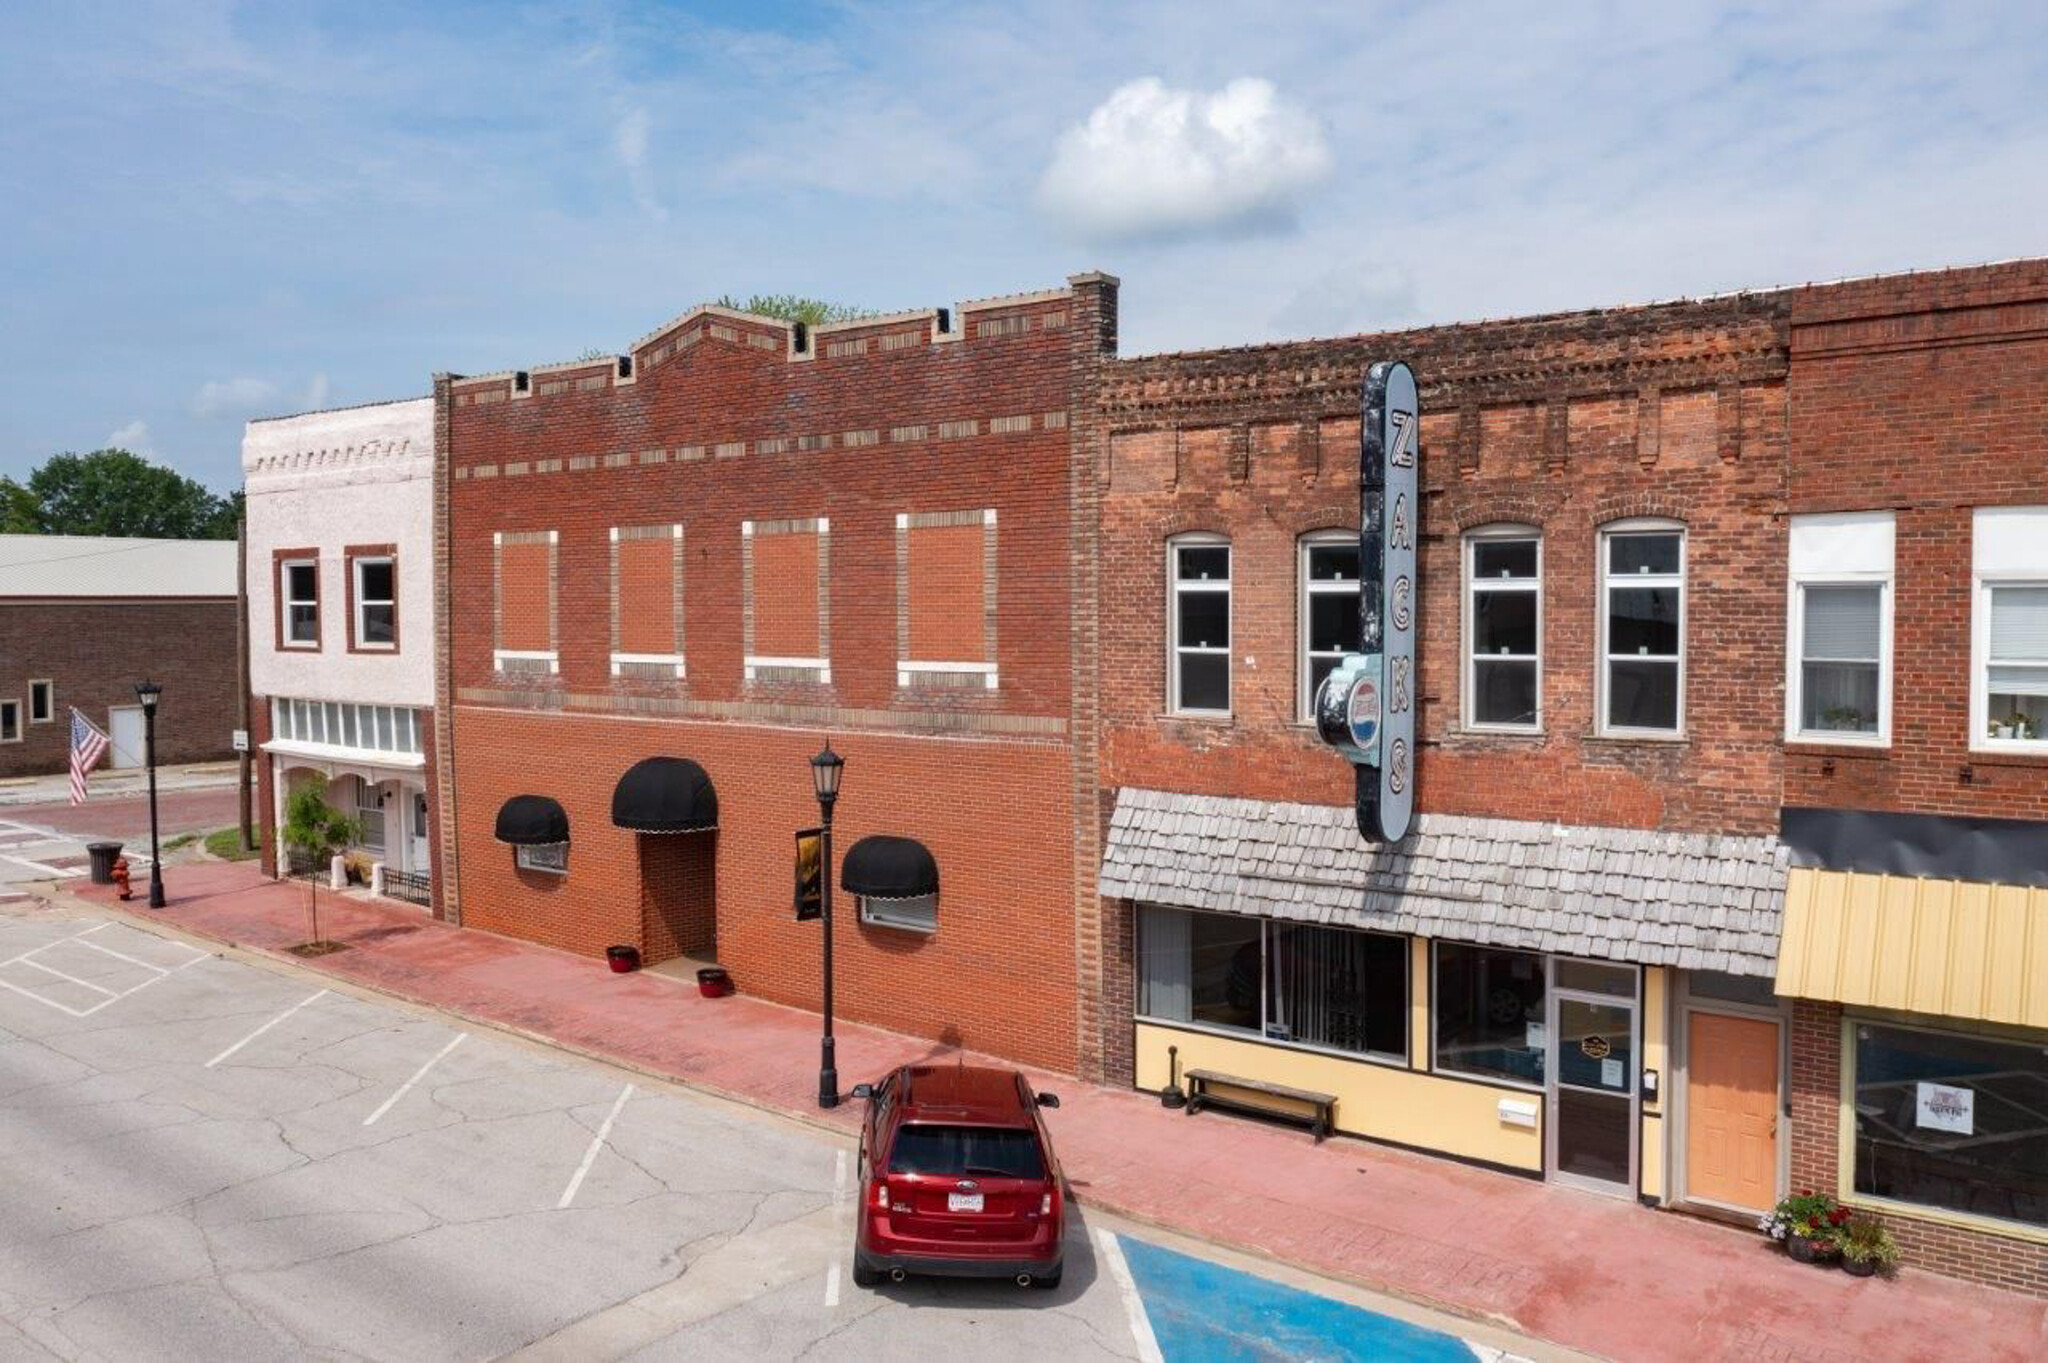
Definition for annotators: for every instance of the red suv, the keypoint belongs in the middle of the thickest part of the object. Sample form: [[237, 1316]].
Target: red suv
[[958, 1178]]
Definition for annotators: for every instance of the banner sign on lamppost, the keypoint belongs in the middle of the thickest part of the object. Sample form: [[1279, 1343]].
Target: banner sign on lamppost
[[1366, 707]]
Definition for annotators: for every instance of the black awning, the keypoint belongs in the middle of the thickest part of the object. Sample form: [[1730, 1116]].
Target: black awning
[[884, 867], [532, 821], [665, 795]]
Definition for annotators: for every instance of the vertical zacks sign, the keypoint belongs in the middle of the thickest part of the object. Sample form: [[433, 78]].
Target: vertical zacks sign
[[1366, 707]]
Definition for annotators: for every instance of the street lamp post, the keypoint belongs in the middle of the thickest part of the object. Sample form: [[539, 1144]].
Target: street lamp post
[[825, 769], [148, 692]]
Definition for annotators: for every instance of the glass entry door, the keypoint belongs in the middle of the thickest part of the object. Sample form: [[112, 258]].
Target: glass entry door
[[1593, 1066]]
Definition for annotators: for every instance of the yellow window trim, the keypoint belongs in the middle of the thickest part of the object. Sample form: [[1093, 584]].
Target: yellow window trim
[[1845, 1144]]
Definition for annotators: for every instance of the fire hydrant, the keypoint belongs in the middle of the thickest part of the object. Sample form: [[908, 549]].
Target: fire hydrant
[[121, 877]]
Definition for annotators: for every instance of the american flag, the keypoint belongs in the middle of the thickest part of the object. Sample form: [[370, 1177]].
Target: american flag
[[88, 745]]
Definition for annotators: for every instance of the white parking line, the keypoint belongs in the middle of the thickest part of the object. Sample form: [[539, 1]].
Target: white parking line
[[1112, 1255], [417, 1075], [264, 1028], [42, 868], [838, 1202], [596, 1144], [33, 964]]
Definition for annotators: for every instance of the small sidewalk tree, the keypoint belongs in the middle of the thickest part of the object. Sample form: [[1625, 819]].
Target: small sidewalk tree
[[318, 829]]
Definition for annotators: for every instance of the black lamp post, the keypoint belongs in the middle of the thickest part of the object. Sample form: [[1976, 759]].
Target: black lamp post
[[825, 769], [148, 692]]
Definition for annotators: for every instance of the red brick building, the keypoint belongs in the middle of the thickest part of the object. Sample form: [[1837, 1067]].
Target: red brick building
[[720, 549], [84, 618], [1733, 624], [1733, 687]]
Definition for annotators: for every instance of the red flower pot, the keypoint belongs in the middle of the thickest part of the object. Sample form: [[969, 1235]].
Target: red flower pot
[[713, 983], [624, 960]]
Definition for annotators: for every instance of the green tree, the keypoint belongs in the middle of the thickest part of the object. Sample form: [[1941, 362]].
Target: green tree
[[20, 514], [319, 830], [114, 492], [789, 307]]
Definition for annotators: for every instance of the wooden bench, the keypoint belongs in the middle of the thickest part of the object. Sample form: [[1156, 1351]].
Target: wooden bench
[[1202, 1086]]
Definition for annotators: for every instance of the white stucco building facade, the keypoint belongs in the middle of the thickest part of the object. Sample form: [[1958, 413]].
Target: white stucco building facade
[[341, 620]]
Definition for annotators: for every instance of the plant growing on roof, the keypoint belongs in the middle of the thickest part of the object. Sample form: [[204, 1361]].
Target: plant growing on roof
[[318, 829]]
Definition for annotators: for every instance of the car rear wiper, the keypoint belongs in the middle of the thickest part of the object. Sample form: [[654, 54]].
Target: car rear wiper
[[985, 1169]]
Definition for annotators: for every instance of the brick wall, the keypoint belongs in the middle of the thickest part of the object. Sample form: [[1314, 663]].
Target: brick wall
[[828, 457], [97, 651], [1816, 1088], [1922, 394], [1566, 424]]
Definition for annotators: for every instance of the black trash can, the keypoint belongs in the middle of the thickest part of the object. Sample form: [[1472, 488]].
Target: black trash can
[[103, 855]]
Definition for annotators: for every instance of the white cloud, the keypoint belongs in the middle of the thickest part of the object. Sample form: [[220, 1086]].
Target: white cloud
[[134, 437], [234, 397], [1153, 161], [629, 143]]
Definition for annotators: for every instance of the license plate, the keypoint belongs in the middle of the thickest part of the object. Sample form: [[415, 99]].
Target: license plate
[[963, 1202]]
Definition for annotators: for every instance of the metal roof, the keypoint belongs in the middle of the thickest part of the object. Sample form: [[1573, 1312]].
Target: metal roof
[[1948, 948], [87, 566], [1694, 900]]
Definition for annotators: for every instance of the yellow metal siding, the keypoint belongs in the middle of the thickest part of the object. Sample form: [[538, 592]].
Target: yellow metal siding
[[1944, 948]]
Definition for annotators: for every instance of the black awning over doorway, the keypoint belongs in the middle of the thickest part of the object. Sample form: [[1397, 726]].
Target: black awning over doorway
[[665, 795], [532, 821], [885, 867]]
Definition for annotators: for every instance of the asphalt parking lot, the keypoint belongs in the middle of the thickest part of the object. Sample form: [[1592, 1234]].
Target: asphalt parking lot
[[227, 1160]]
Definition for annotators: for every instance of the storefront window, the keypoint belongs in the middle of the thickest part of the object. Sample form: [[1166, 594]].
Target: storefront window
[[1331, 987], [1951, 1121], [1199, 967], [1489, 1012], [1327, 987]]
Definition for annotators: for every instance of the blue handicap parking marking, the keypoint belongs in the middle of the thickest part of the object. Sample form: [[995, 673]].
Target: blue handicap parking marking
[[1201, 1311]]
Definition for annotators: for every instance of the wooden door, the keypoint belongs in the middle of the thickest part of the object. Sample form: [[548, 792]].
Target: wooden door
[[1731, 1104]]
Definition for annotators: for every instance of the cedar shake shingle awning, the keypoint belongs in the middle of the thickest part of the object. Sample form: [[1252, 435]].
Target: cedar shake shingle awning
[[665, 795], [884, 867], [532, 821], [1693, 900]]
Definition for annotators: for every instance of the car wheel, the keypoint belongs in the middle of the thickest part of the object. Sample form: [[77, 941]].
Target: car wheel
[[863, 1276]]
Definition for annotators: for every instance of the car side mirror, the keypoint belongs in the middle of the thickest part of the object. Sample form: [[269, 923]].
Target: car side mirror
[[864, 1091], [1048, 1100]]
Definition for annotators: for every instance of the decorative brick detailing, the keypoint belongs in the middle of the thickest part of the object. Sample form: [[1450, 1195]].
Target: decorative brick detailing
[[524, 604], [581, 462], [946, 600], [855, 440], [959, 430], [808, 443], [906, 435], [647, 602], [688, 454], [653, 457], [1009, 425], [1013, 325], [786, 569], [729, 449], [901, 340], [857, 345], [777, 446]]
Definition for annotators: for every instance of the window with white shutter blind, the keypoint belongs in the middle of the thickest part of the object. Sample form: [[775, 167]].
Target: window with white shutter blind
[[2009, 683], [1838, 674]]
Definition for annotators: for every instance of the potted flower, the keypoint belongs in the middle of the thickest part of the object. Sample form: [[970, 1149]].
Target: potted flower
[[1867, 1247], [1809, 1224]]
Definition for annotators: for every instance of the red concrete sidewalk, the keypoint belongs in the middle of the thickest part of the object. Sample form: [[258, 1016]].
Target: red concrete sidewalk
[[1585, 1271]]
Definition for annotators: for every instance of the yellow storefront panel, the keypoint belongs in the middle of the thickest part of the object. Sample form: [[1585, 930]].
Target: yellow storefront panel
[[1944, 948], [1386, 1102]]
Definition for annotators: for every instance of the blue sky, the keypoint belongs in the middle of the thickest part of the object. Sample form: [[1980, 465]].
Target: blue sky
[[217, 210]]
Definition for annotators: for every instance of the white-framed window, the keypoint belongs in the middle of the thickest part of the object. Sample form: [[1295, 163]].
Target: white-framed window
[[376, 602], [1328, 626], [1503, 630], [377, 728], [1838, 651], [552, 857], [1642, 628], [370, 814], [10, 720], [42, 701], [920, 913], [1198, 667], [299, 581], [2009, 629]]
